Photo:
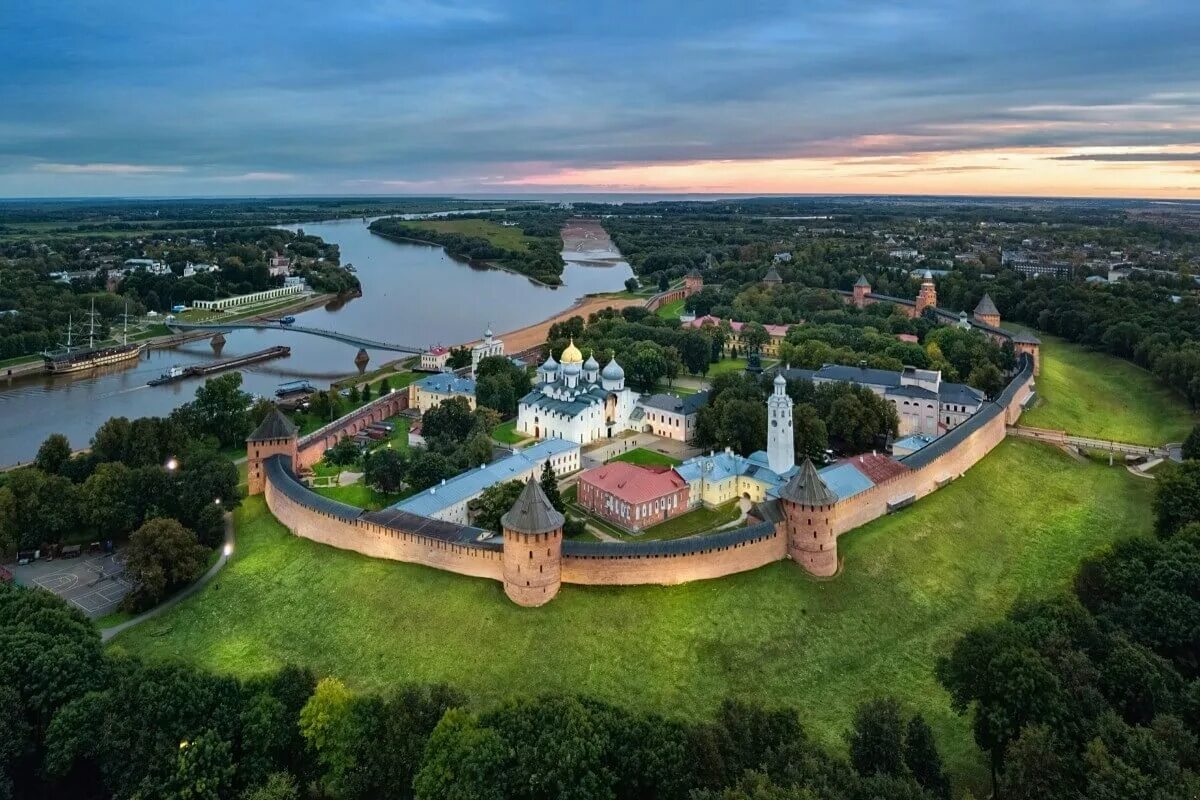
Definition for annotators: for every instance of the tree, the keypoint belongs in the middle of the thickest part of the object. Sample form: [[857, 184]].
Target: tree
[[1191, 445], [1036, 767], [632, 285], [219, 409], [426, 468], [111, 500], [450, 421], [162, 555], [645, 365], [754, 336], [366, 393], [493, 503], [664, 282], [328, 726], [987, 378], [876, 738], [345, 453], [808, 433], [53, 454], [671, 364], [923, 760], [1177, 497], [354, 394], [549, 482], [384, 469], [278, 786], [695, 351], [204, 768], [459, 357]]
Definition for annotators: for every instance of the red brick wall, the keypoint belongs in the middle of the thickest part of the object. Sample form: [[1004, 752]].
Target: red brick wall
[[379, 542], [672, 569], [313, 446]]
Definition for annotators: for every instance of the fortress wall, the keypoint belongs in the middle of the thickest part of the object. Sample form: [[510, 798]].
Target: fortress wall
[[380, 542], [946, 467], [313, 446], [671, 568]]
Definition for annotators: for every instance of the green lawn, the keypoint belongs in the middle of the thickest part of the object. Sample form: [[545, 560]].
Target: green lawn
[[671, 310], [641, 455], [1094, 394], [12, 362], [726, 365], [361, 495], [1016, 525], [506, 433], [699, 521], [510, 238]]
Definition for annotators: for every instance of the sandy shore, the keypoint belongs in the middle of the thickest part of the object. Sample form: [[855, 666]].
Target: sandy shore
[[535, 334]]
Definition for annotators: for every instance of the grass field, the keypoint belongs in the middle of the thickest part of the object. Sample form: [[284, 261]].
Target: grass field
[[726, 365], [640, 455], [1016, 525], [361, 495], [693, 522], [506, 433], [671, 310], [510, 238], [1094, 394]]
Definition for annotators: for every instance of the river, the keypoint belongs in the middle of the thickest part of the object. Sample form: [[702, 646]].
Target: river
[[413, 294]]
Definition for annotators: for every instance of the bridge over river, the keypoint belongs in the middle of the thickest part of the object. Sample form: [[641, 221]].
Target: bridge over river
[[337, 336]]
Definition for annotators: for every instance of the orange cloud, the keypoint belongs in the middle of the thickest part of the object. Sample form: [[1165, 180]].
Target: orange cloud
[[1025, 171]]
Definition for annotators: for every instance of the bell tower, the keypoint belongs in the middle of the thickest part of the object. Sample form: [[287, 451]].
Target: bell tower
[[781, 447]]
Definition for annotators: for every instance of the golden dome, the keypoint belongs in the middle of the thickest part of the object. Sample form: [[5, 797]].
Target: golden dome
[[571, 354]]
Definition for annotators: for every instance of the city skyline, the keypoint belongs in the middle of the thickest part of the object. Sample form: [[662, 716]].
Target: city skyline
[[434, 96]]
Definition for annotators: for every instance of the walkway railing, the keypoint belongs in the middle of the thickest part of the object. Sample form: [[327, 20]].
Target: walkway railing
[[366, 344], [1107, 445]]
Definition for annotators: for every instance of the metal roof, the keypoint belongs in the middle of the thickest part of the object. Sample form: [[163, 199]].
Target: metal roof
[[808, 488], [275, 426], [447, 383], [679, 404], [986, 306], [862, 375], [532, 513], [470, 483], [685, 546]]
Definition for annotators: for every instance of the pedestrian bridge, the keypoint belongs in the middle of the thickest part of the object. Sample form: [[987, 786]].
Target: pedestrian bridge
[[357, 341], [1062, 438]]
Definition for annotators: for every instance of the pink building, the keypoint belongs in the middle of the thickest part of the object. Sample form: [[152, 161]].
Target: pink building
[[776, 332], [632, 497]]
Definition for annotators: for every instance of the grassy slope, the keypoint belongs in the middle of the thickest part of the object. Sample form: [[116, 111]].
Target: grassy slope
[[510, 238], [701, 520], [1017, 524], [671, 310], [1094, 394]]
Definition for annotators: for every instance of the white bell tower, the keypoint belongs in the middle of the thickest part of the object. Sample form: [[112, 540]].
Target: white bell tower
[[781, 448]]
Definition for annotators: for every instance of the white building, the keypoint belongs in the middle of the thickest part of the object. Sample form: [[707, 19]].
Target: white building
[[434, 359], [151, 265], [577, 401], [781, 447], [488, 346]]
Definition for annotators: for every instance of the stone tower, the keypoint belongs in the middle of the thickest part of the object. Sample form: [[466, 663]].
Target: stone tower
[[532, 548], [781, 447], [809, 509], [927, 297], [862, 288], [275, 436], [693, 282], [987, 313]]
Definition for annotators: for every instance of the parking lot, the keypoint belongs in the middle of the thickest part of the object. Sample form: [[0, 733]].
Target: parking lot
[[93, 584]]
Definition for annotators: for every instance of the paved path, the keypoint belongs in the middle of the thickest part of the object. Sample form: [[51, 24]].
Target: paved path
[[108, 633]]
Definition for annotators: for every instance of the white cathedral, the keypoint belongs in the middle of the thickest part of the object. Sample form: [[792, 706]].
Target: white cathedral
[[576, 400]]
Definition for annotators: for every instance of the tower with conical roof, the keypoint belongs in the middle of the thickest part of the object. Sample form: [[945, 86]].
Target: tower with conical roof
[[274, 437], [693, 282], [809, 509], [781, 446], [533, 531], [987, 313], [862, 288], [927, 297]]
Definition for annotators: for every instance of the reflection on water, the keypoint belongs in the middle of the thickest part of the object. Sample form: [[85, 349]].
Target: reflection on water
[[413, 294]]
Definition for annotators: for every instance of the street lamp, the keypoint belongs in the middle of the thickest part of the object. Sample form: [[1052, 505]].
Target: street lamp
[[172, 464], [228, 549]]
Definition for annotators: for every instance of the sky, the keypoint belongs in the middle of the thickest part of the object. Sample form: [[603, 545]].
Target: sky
[[258, 97]]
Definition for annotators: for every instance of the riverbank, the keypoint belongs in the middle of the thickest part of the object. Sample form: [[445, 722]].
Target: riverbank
[[167, 341]]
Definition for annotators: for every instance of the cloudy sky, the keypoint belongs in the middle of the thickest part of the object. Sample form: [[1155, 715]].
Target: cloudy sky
[[214, 97]]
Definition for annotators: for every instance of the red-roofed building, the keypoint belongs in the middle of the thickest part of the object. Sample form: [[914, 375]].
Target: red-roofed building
[[877, 467], [632, 497], [434, 359], [907, 338]]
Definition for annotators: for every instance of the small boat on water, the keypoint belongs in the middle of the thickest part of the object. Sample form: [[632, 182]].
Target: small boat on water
[[288, 320], [175, 373], [294, 387]]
